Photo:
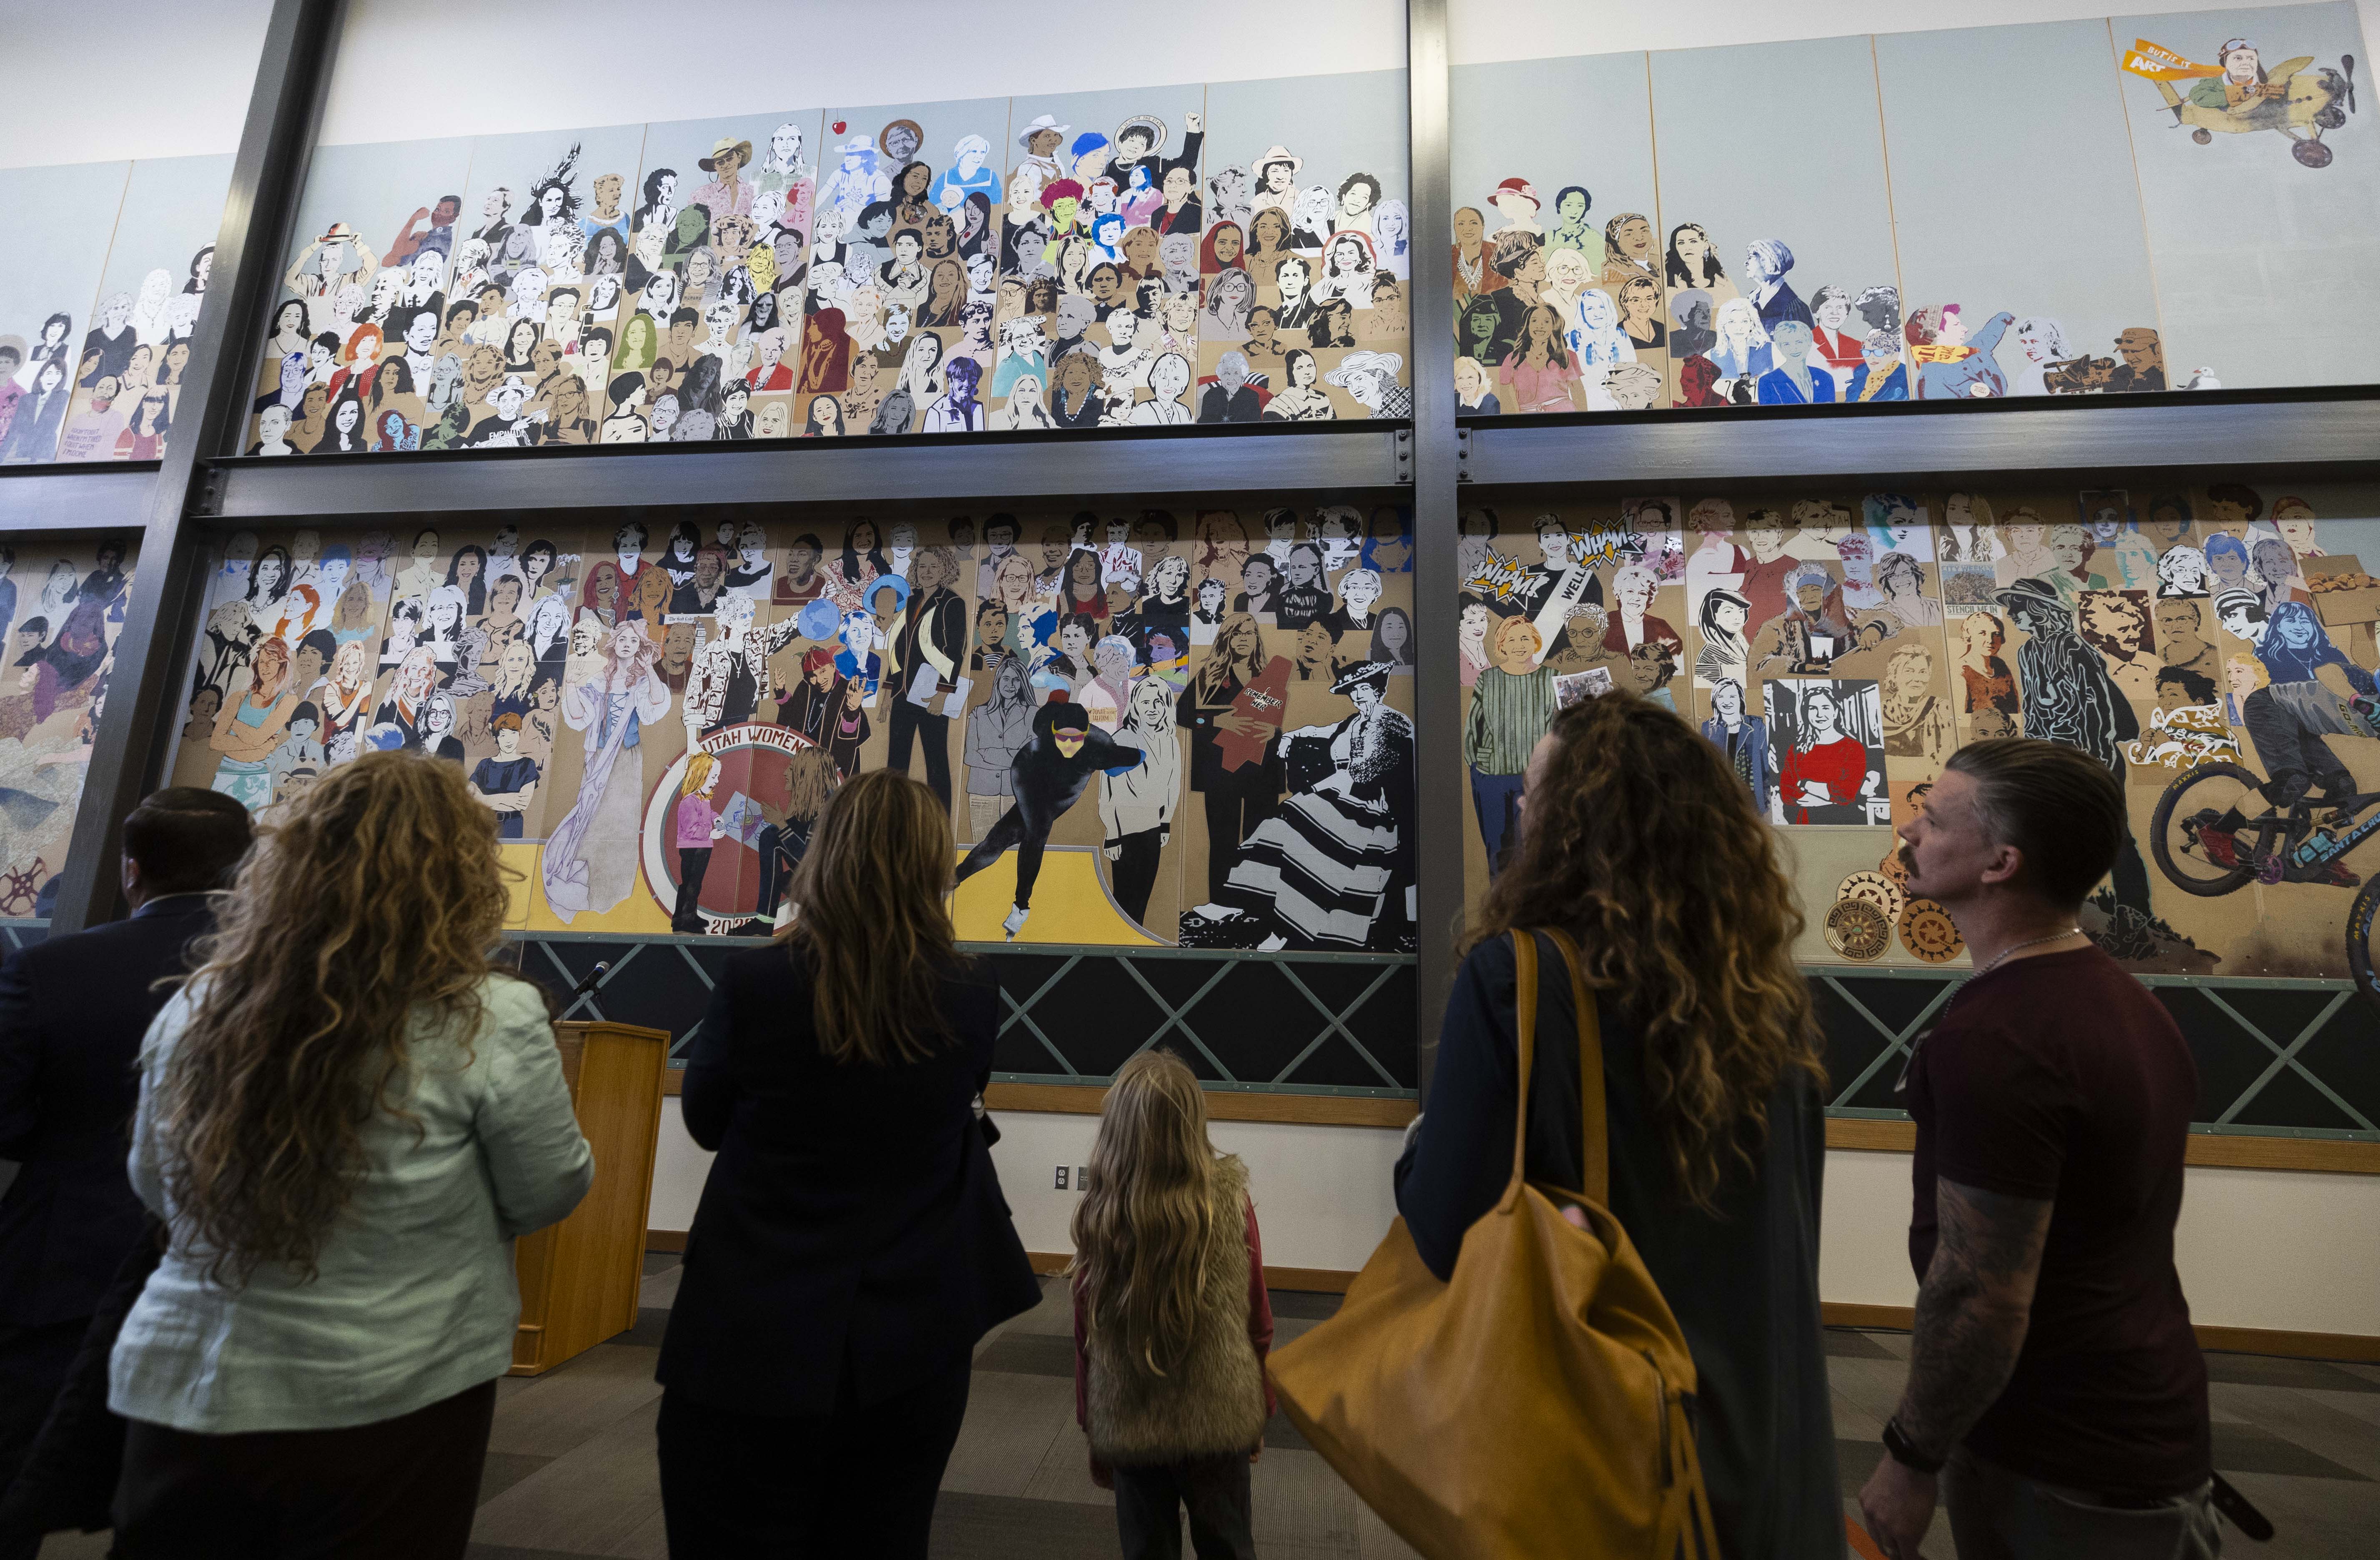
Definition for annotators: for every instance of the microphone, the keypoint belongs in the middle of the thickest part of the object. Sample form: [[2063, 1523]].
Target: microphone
[[593, 979]]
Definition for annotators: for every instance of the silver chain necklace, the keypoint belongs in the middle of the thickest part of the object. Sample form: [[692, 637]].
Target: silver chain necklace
[[2004, 953]]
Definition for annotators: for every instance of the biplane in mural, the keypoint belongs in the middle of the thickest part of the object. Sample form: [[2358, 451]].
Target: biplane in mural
[[2296, 97]]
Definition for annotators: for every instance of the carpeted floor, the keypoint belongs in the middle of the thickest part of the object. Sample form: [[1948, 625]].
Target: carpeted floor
[[570, 1469]]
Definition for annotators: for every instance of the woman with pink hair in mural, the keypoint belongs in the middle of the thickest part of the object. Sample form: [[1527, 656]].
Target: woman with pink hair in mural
[[589, 863]]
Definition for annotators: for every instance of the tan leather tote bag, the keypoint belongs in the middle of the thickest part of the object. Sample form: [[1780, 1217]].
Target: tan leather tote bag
[[1534, 1405]]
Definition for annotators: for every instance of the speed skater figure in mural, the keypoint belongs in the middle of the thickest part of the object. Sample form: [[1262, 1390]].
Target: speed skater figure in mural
[[1049, 775]]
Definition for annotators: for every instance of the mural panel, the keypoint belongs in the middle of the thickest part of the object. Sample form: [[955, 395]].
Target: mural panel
[[1066, 261], [62, 601], [1148, 727], [1841, 221], [96, 316], [2212, 643]]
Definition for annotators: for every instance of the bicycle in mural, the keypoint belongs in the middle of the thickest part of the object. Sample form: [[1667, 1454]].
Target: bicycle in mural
[[2207, 841]]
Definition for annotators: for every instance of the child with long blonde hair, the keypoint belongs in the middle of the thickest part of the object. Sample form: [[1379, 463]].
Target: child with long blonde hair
[[1172, 1321]]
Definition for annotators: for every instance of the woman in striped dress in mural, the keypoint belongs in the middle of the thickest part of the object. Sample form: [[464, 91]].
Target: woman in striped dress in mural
[[1323, 865]]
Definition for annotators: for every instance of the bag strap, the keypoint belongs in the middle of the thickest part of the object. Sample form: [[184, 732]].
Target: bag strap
[[1525, 963], [1594, 1128]]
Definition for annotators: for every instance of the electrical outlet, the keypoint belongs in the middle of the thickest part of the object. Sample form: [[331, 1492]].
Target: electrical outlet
[[1062, 1178]]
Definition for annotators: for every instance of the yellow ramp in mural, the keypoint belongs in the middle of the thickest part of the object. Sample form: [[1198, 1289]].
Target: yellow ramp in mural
[[637, 916], [1070, 903]]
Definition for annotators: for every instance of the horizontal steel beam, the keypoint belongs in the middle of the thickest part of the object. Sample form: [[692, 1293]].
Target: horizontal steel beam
[[2311, 433], [78, 497], [980, 469]]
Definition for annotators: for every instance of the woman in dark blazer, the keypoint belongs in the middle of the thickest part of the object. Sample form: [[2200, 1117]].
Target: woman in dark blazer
[[852, 1243]]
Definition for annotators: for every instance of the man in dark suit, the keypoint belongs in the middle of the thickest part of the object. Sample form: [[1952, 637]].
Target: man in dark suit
[[73, 1011]]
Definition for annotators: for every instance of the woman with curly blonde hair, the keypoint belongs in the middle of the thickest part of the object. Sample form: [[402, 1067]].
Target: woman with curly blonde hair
[[1641, 844], [345, 1116]]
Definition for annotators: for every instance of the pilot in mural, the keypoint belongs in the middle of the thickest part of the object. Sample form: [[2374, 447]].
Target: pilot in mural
[[2237, 94]]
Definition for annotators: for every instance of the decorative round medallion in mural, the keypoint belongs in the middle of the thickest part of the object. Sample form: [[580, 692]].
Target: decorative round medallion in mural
[[1927, 931], [1875, 889], [1856, 929]]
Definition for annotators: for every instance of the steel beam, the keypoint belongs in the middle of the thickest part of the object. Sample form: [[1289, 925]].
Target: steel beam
[[1012, 470], [76, 498], [283, 109], [1437, 693], [2308, 434]]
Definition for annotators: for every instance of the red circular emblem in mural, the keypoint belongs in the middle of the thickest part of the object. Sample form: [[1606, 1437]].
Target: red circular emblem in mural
[[760, 796]]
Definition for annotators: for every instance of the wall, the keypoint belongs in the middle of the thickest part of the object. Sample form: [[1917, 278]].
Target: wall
[[2238, 1229], [135, 79], [546, 72], [1483, 31], [1323, 1193], [2256, 1248]]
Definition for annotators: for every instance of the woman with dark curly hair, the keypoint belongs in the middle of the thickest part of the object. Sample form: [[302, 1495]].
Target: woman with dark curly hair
[[1641, 847]]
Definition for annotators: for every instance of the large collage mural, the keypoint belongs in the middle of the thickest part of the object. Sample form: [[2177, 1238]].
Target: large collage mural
[[2213, 645], [62, 601], [1142, 258], [1149, 728], [98, 304], [1802, 222]]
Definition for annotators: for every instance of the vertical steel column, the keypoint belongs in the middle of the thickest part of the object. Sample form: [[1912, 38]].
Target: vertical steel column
[[1438, 691], [274, 145]]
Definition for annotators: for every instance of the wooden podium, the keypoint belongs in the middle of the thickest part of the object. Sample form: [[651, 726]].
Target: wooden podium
[[578, 1279]]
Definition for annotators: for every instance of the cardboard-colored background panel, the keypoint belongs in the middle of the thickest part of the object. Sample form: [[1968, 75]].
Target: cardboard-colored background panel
[[1973, 670]]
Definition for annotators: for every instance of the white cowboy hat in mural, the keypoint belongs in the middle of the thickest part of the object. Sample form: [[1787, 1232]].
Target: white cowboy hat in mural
[[1044, 122]]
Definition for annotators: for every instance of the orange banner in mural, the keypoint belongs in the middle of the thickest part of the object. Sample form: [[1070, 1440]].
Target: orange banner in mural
[[2160, 64]]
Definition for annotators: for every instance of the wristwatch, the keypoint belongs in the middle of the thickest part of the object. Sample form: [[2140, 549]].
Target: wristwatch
[[1904, 1451]]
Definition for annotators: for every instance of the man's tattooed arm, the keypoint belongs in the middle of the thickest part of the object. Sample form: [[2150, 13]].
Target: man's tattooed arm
[[1972, 1311]]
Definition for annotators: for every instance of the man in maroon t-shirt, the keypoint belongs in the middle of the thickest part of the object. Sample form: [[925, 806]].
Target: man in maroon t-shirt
[[2054, 1378]]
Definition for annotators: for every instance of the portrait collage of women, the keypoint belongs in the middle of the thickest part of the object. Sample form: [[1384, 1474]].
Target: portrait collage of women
[[62, 602], [97, 320], [1839, 650], [1141, 258], [1147, 726]]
